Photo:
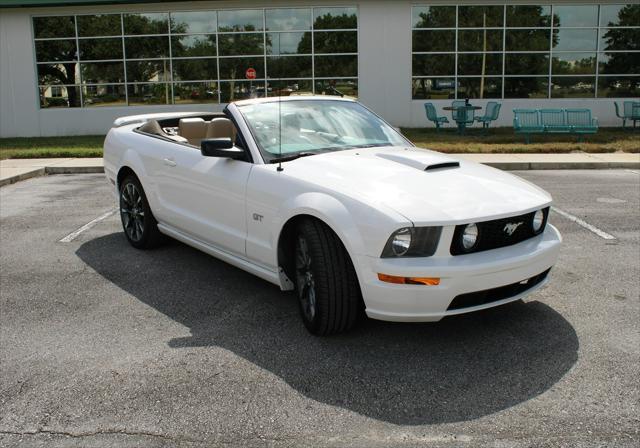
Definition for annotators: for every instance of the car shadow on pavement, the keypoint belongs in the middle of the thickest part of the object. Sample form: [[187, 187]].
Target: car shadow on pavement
[[458, 369]]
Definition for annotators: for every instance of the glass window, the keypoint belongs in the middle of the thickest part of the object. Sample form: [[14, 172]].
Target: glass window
[[440, 40], [102, 72], [336, 66], [288, 43], [573, 87], [335, 18], [527, 40], [620, 15], [149, 94], [58, 74], [434, 17], [195, 69], [335, 42], [148, 71], [235, 68], [99, 25], [289, 66], [238, 44], [619, 63], [104, 48], [480, 16], [526, 64], [240, 20], [339, 87], [288, 19], [434, 64], [621, 39], [146, 47], [194, 45], [433, 88], [573, 63], [151, 23], [289, 87], [480, 40], [104, 96], [528, 16], [480, 88], [194, 22], [195, 92], [575, 39], [59, 96], [619, 86], [575, 15], [63, 26], [56, 50], [474, 63], [240, 90], [526, 87]]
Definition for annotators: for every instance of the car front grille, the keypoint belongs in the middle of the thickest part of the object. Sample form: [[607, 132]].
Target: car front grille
[[497, 233], [495, 294]]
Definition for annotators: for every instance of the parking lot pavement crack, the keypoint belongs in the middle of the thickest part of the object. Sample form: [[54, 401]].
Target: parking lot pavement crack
[[98, 432]]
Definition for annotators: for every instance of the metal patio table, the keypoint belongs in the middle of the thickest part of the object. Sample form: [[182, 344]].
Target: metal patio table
[[462, 123]]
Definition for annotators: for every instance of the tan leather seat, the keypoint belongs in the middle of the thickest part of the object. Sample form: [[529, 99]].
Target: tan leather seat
[[221, 128], [154, 128], [193, 129]]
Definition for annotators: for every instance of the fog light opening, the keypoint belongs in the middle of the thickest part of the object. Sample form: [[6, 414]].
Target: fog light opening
[[426, 281]]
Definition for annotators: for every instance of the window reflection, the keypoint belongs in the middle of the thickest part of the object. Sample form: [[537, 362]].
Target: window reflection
[[148, 71], [102, 72], [335, 42], [240, 90], [480, 40], [477, 64], [480, 16], [238, 44], [288, 43], [337, 87], [194, 22], [289, 87], [434, 64], [67, 73], [619, 63], [434, 17], [526, 16], [528, 40], [63, 26], [620, 15], [573, 63], [190, 93], [235, 68], [240, 20], [575, 15], [334, 18], [433, 88], [56, 50], [151, 23], [96, 49], [104, 96], [149, 94], [99, 25], [54, 96], [526, 87], [288, 19], [621, 39], [572, 87], [619, 86], [146, 47], [440, 40], [195, 69], [289, 66], [326, 66], [575, 39], [526, 64], [472, 88], [195, 45]]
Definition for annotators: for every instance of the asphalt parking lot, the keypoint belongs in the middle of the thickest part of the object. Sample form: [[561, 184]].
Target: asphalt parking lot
[[104, 345]]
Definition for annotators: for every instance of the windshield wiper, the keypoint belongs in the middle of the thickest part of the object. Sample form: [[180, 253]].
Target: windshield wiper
[[293, 156]]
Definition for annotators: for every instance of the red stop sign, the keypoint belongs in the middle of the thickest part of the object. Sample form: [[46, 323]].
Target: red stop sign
[[250, 73]]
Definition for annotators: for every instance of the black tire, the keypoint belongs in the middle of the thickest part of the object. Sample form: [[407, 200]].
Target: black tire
[[329, 275], [138, 223]]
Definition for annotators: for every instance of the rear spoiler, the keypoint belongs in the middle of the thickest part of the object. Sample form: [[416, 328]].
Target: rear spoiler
[[131, 119]]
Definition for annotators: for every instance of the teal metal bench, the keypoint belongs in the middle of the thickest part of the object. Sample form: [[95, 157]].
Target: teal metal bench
[[550, 121]]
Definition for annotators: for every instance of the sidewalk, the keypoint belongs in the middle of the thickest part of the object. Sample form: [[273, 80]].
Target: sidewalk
[[14, 170]]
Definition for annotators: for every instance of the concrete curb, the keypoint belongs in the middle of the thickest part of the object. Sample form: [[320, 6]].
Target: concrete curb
[[506, 166]]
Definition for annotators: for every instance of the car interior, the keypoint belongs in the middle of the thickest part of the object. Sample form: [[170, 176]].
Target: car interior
[[191, 130]]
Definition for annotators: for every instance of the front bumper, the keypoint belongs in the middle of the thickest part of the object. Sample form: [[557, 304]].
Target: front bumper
[[458, 275]]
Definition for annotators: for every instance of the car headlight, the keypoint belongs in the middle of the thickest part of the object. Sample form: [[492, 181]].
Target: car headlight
[[537, 222], [469, 236], [412, 242]]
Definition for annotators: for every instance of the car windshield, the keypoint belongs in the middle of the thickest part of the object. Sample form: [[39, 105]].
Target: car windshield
[[303, 127]]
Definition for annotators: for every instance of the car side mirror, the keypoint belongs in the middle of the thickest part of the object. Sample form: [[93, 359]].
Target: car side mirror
[[221, 147]]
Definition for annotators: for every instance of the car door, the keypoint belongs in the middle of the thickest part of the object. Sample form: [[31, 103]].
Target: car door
[[204, 197]]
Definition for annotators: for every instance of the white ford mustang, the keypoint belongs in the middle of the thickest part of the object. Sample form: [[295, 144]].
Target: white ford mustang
[[321, 196]]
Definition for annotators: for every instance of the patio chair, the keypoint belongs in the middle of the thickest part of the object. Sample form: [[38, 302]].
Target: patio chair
[[630, 111], [432, 115], [491, 113], [456, 103]]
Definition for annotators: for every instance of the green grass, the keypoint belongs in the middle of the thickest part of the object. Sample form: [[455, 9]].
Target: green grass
[[498, 140], [41, 147], [503, 140]]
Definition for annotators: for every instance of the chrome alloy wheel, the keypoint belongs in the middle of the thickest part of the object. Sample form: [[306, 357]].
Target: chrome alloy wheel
[[304, 280], [132, 211]]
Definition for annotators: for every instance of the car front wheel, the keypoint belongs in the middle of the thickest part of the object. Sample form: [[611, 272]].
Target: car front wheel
[[138, 223], [326, 281]]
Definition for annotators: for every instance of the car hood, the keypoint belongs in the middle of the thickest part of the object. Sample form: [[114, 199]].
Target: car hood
[[424, 186]]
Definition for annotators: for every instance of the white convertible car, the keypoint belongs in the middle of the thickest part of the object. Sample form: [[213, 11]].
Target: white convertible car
[[321, 196]]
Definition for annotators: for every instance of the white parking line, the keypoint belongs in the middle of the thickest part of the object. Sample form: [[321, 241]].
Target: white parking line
[[634, 172], [601, 233], [73, 235]]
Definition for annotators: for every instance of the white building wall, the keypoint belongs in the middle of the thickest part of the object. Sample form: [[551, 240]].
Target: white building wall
[[384, 67]]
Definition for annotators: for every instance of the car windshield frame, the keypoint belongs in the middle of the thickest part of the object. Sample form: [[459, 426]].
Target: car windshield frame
[[393, 137]]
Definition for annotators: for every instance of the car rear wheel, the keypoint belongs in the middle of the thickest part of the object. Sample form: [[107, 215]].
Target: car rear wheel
[[138, 223], [326, 282]]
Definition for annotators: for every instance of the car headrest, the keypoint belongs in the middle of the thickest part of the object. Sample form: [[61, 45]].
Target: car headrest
[[193, 129], [221, 128]]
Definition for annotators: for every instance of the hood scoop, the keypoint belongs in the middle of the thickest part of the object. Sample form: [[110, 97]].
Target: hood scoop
[[422, 162]]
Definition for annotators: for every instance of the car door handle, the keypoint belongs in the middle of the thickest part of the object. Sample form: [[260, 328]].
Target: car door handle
[[169, 162]]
